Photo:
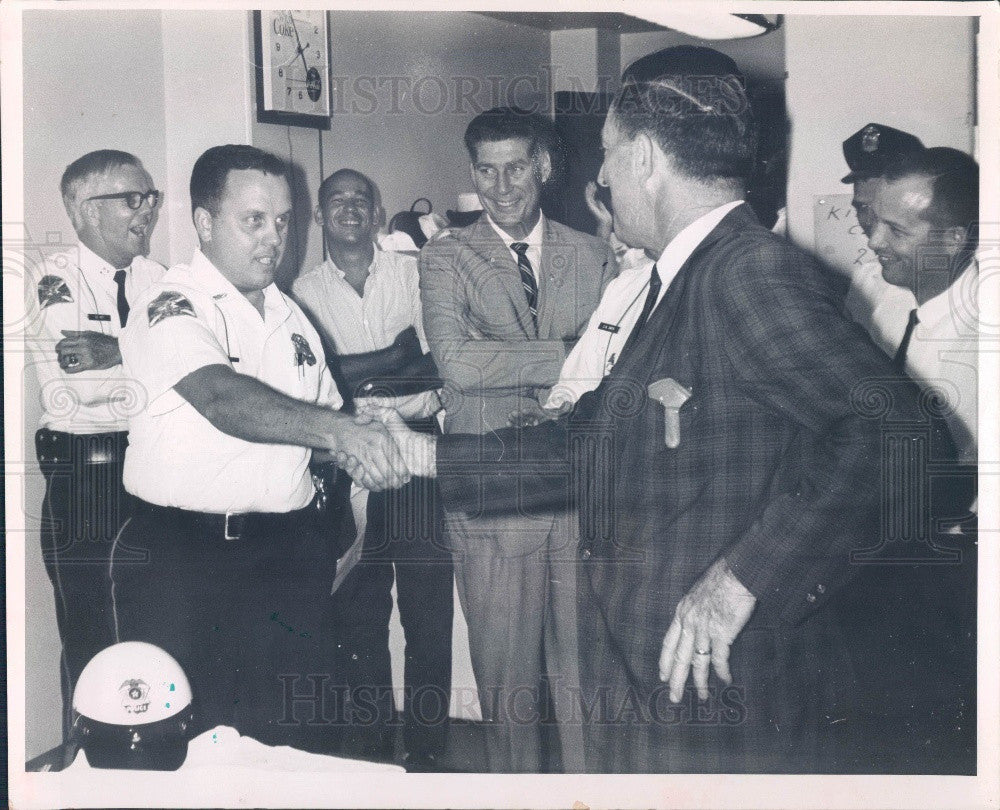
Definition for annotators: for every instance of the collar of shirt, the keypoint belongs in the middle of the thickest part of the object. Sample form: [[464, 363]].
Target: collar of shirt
[[681, 247], [533, 239], [94, 267], [206, 277], [373, 268]]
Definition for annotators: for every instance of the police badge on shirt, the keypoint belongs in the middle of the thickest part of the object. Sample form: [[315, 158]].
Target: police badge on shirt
[[303, 352]]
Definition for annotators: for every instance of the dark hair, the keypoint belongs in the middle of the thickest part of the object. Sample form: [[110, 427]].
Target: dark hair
[[693, 103], [99, 162], [954, 177], [208, 177], [324, 187], [504, 123]]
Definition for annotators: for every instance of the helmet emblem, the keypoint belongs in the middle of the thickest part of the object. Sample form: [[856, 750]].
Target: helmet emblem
[[135, 696]]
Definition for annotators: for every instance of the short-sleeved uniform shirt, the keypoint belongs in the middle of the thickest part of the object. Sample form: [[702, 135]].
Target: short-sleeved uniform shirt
[[75, 290], [194, 317]]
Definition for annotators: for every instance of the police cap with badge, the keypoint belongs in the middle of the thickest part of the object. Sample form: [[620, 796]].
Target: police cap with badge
[[873, 147]]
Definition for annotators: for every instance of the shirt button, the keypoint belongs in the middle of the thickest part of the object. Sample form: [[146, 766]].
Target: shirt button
[[821, 588], [585, 554], [810, 597]]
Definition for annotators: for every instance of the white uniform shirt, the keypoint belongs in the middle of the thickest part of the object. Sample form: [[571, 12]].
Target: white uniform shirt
[[881, 308], [76, 291], [195, 318], [595, 353], [943, 353], [356, 324]]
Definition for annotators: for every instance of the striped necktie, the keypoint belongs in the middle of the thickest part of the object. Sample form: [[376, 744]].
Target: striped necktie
[[527, 278], [899, 359], [120, 276]]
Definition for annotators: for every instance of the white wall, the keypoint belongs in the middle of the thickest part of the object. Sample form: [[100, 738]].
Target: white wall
[[207, 100], [912, 73]]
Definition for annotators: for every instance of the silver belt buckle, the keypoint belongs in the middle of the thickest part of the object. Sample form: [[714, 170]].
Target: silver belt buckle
[[225, 530]]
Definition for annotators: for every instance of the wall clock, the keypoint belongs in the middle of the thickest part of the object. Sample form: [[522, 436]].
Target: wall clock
[[292, 66]]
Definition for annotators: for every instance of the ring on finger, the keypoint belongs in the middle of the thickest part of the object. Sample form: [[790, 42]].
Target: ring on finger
[[702, 652]]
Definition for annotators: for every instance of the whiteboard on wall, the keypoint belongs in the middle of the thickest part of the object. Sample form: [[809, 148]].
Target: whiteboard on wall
[[840, 242]]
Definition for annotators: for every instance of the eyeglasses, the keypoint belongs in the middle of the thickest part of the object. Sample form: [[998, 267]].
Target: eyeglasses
[[133, 199]]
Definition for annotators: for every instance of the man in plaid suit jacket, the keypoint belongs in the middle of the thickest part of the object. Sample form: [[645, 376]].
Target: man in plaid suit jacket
[[723, 471]]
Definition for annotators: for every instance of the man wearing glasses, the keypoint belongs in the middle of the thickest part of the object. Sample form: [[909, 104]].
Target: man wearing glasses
[[81, 297]]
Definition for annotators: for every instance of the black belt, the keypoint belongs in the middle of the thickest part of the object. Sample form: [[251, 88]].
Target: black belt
[[54, 446], [228, 526]]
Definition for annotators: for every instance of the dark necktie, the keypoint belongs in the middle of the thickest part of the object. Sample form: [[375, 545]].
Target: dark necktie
[[899, 360], [651, 296], [122, 301], [527, 278]]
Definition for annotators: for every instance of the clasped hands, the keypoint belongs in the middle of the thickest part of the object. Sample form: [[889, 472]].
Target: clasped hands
[[378, 450]]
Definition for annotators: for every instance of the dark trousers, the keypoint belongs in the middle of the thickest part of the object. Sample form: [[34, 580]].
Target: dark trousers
[[402, 542], [243, 617], [911, 630], [84, 507]]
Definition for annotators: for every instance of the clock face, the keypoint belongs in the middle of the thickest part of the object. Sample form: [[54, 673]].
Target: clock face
[[295, 62]]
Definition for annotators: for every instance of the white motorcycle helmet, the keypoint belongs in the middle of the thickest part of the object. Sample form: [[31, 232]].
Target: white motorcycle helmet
[[132, 709]]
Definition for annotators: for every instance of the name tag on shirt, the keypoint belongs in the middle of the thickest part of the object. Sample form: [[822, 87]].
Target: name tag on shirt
[[609, 327], [98, 316]]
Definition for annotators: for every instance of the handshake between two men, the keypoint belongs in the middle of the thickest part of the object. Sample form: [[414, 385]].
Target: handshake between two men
[[378, 450]]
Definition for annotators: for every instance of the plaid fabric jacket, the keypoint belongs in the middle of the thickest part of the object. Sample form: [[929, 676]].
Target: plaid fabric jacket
[[777, 470]]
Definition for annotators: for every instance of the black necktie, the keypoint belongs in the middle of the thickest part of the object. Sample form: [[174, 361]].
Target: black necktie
[[122, 301], [647, 308], [527, 278], [651, 296], [899, 360]]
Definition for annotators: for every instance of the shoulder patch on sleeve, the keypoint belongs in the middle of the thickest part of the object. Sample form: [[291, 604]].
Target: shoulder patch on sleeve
[[166, 305], [53, 290]]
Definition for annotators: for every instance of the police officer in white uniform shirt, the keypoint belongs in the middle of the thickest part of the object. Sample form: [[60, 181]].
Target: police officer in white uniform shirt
[[236, 393], [879, 307], [82, 298]]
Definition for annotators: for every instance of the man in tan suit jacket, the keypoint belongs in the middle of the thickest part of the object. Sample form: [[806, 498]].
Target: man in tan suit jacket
[[504, 300]]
